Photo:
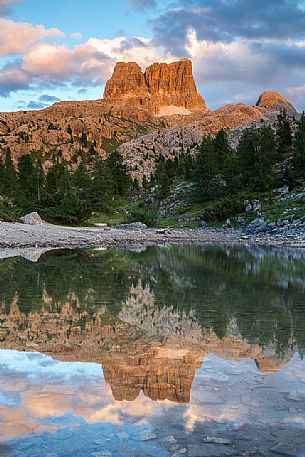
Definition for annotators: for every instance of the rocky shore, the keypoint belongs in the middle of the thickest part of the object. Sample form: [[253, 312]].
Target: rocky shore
[[14, 236]]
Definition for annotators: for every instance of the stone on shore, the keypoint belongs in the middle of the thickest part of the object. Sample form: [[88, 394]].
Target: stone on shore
[[132, 226], [32, 219]]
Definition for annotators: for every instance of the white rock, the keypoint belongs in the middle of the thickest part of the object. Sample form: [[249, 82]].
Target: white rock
[[32, 219]]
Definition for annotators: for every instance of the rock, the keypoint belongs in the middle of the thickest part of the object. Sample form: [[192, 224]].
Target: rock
[[146, 435], [162, 85], [180, 452], [284, 450], [169, 439], [216, 440], [275, 101], [32, 219], [132, 226], [228, 224], [127, 80]]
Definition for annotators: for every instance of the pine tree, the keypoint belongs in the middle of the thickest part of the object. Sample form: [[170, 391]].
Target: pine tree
[[299, 148], [231, 173], [221, 147], [283, 135], [9, 183], [120, 175], [256, 154], [102, 185], [206, 168]]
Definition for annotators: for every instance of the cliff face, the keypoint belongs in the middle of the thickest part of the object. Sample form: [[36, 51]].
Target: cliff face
[[162, 85], [127, 80]]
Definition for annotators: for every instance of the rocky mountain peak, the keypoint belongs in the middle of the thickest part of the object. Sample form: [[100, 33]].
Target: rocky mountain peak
[[276, 102], [127, 79], [161, 86]]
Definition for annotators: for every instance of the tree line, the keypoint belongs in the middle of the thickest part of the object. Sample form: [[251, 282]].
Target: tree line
[[64, 192]]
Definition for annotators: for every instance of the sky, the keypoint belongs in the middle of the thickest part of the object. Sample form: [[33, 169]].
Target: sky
[[66, 49]]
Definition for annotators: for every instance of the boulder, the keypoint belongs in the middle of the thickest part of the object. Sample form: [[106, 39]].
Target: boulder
[[32, 219]]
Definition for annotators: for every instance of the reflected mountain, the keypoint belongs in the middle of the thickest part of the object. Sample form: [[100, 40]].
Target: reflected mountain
[[150, 318]]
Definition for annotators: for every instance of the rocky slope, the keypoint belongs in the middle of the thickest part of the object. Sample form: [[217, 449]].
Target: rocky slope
[[61, 127], [183, 134]]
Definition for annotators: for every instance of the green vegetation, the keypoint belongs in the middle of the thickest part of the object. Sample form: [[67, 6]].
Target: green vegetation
[[66, 192], [222, 178], [211, 185]]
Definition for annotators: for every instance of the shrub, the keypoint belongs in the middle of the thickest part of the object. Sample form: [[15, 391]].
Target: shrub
[[223, 209], [147, 216], [7, 213]]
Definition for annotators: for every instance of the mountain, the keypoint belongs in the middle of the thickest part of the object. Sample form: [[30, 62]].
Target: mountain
[[145, 114], [162, 89]]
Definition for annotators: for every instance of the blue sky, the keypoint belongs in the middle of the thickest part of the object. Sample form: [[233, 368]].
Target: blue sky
[[66, 50]]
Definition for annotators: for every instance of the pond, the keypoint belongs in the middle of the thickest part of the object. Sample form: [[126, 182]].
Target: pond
[[171, 351]]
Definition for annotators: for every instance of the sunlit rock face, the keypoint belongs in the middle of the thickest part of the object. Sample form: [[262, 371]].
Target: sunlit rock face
[[275, 101], [162, 85], [161, 373]]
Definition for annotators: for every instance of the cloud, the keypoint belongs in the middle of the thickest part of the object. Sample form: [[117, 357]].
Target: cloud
[[43, 101], [13, 78], [239, 48], [49, 98], [76, 36], [52, 65], [222, 20], [17, 37], [5, 6], [33, 104], [143, 4]]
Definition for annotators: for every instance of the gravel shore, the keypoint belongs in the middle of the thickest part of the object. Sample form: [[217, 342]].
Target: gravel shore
[[47, 236]]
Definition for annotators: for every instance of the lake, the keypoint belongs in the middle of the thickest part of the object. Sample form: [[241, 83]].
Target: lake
[[170, 351]]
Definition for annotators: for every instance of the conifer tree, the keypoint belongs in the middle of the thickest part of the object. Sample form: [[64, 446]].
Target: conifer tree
[[221, 147], [299, 148], [283, 135], [206, 168]]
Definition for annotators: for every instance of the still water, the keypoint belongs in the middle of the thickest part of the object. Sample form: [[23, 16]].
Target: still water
[[173, 351]]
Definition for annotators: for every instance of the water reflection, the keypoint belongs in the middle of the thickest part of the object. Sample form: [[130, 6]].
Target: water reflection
[[150, 347]]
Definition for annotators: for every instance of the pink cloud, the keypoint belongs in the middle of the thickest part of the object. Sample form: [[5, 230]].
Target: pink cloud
[[17, 37], [90, 63]]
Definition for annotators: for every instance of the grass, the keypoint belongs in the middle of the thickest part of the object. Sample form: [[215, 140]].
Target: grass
[[117, 214], [273, 210]]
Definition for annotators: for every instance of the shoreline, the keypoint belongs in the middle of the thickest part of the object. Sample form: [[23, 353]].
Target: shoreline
[[15, 236]]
